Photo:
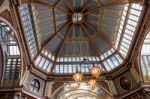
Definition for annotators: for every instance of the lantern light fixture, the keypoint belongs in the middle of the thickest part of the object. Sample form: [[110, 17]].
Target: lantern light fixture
[[78, 76], [92, 83], [94, 71]]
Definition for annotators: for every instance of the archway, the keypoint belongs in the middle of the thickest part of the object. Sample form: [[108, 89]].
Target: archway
[[145, 59], [11, 55], [80, 91]]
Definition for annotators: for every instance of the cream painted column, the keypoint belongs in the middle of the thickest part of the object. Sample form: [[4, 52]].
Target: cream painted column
[[25, 77], [48, 89], [135, 75], [112, 87]]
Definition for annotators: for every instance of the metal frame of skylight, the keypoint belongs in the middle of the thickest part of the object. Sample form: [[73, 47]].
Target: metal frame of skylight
[[110, 61], [12, 61]]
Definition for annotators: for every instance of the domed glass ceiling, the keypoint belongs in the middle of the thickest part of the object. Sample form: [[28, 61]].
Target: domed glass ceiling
[[11, 53], [61, 33], [80, 91]]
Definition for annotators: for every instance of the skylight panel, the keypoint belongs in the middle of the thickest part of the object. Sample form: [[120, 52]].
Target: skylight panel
[[69, 59], [129, 28], [38, 60], [145, 49], [12, 67], [73, 59], [46, 65], [28, 28], [110, 63], [56, 70], [61, 59], [49, 67], [113, 62], [61, 68], [120, 60], [145, 66], [48, 55], [12, 53], [43, 63], [107, 66], [65, 68], [121, 25], [14, 50], [107, 54], [74, 68], [146, 46], [70, 70], [76, 59]]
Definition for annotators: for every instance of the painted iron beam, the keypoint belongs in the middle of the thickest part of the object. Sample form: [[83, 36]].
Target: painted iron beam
[[46, 43], [90, 40], [60, 46]]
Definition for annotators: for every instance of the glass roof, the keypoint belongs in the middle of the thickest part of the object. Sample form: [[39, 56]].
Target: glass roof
[[79, 91], [11, 52], [145, 58], [57, 45]]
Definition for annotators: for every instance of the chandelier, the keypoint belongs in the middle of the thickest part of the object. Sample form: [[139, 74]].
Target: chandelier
[[94, 71], [92, 83], [78, 76]]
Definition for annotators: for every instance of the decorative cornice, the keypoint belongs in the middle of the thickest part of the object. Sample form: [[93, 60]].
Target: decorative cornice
[[67, 79], [10, 89], [38, 73], [59, 78], [123, 68]]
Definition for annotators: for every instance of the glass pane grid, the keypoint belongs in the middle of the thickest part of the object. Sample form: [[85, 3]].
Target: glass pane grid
[[12, 69], [129, 28], [11, 52], [43, 63], [25, 14]]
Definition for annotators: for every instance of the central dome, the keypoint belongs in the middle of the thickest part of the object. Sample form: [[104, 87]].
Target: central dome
[[79, 29], [68, 31], [76, 27]]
